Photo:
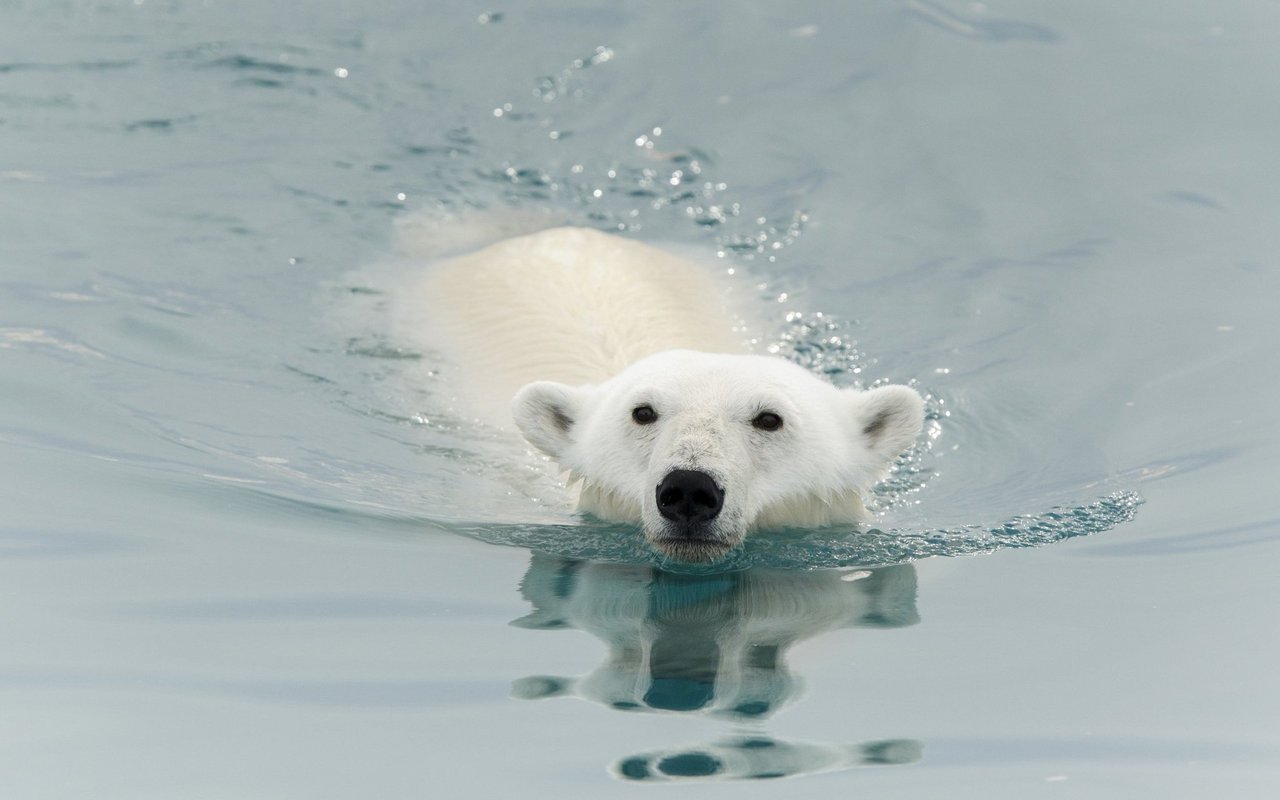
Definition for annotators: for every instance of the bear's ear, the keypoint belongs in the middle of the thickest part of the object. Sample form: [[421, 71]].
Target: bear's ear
[[888, 418], [546, 414]]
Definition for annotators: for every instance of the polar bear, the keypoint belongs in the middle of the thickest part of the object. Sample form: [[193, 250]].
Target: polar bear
[[631, 368]]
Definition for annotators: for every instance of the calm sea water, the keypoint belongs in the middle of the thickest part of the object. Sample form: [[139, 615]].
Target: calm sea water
[[248, 550]]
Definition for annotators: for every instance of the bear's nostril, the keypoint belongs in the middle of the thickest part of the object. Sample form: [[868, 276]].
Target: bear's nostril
[[689, 496]]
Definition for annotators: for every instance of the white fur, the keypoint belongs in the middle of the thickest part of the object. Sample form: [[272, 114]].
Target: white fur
[[597, 325], [571, 305]]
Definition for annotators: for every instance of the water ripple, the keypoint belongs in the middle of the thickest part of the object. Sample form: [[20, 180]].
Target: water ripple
[[829, 548], [990, 29], [243, 63], [72, 66]]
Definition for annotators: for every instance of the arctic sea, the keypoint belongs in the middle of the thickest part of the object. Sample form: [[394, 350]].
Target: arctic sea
[[249, 548]]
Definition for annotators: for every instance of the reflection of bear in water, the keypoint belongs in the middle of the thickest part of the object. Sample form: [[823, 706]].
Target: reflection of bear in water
[[707, 644], [715, 645], [762, 757]]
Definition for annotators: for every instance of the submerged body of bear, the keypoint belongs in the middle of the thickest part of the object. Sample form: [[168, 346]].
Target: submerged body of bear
[[630, 368]]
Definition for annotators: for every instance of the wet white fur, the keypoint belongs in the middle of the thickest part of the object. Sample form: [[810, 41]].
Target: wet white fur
[[833, 446], [593, 325], [570, 305]]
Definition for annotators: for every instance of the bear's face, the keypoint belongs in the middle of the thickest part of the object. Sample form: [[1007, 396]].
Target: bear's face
[[700, 448]]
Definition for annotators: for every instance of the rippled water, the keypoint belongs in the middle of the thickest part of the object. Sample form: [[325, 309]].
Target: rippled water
[[832, 548], [251, 549]]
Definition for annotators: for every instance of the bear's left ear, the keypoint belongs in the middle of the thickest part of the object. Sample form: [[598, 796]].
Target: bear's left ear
[[546, 414], [888, 418]]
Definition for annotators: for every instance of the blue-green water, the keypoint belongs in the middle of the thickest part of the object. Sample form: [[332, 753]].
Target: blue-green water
[[247, 550]]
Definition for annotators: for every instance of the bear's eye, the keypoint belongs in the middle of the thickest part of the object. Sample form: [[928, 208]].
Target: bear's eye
[[767, 421], [644, 415]]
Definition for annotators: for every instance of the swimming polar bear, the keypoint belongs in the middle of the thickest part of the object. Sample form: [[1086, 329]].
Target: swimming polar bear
[[630, 368]]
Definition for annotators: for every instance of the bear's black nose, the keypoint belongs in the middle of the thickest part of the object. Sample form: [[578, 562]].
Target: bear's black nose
[[689, 497]]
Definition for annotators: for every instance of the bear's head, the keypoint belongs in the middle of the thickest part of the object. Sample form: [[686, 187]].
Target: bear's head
[[700, 448]]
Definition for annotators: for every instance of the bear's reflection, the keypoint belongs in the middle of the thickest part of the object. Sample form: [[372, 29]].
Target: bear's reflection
[[762, 757], [704, 644]]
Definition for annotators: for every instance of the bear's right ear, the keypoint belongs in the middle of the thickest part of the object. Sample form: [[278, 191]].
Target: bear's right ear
[[546, 414]]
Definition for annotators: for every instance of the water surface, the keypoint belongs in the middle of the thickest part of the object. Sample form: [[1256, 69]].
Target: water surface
[[250, 550]]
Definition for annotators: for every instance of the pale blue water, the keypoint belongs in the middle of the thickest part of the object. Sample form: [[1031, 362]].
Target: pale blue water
[[245, 552]]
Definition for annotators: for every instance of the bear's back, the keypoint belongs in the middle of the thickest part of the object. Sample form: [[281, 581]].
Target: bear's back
[[571, 305]]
